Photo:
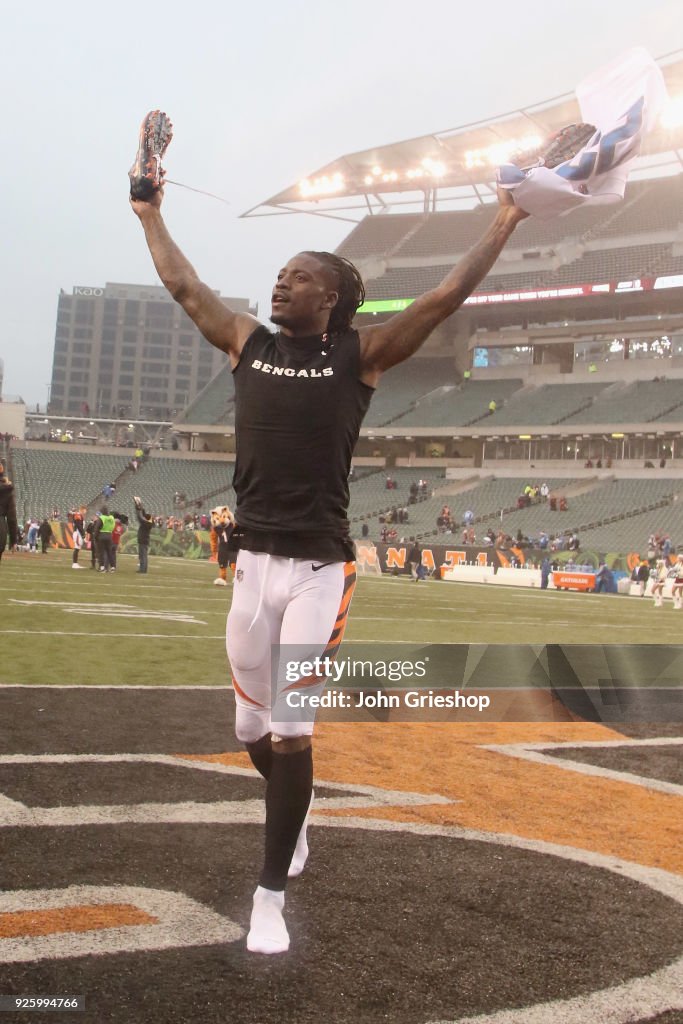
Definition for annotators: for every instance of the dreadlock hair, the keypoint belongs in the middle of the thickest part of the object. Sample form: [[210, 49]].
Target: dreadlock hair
[[350, 287]]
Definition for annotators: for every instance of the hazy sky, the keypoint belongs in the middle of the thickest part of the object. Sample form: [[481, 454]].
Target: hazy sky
[[260, 94]]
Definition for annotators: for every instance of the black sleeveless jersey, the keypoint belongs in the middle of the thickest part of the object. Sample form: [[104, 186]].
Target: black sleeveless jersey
[[299, 405]]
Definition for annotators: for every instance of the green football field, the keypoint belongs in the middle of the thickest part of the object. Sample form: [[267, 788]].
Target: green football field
[[61, 626]]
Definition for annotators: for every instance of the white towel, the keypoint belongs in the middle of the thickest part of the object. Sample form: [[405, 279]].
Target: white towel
[[623, 100]]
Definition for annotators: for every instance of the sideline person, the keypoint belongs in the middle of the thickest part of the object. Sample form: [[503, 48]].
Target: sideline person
[[102, 536], [145, 524], [8, 513], [301, 393]]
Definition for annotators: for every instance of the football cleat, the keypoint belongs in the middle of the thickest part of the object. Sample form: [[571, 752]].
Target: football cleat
[[561, 146], [147, 175]]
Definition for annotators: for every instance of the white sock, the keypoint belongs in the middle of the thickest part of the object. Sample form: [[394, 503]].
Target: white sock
[[300, 855], [267, 931]]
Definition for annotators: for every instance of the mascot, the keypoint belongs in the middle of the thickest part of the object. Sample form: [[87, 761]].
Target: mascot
[[222, 525]]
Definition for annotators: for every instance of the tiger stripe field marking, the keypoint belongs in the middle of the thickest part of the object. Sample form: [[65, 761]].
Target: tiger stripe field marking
[[634, 1000], [633, 822], [224, 812], [154, 919], [70, 919], [541, 753]]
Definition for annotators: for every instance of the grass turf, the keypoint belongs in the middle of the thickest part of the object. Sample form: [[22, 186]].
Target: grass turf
[[61, 626]]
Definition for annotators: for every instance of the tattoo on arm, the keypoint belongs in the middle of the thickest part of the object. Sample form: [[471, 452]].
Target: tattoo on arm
[[401, 336]]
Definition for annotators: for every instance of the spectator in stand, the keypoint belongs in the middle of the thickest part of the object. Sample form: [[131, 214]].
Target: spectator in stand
[[8, 513], [471, 536], [413, 493], [545, 490], [468, 517], [493, 405], [542, 540], [46, 535]]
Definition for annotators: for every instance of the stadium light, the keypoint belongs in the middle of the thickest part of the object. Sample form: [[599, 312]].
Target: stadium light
[[428, 168], [322, 186], [501, 152]]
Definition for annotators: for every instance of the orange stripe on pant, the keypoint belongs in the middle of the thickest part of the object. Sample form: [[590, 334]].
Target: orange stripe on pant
[[250, 700], [337, 635]]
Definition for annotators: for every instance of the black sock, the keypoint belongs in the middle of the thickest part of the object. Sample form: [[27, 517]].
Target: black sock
[[288, 795], [261, 754]]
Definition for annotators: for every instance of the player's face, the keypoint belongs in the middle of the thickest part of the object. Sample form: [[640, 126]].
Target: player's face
[[303, 296]]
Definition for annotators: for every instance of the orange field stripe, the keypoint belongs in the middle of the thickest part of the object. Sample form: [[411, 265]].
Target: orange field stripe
[[26, 923], [495, 793]]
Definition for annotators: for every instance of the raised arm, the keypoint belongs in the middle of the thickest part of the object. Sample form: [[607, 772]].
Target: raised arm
[[219, 324], [399, 337]]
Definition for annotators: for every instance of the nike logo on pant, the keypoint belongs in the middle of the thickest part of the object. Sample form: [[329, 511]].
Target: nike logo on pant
[[316, 567]]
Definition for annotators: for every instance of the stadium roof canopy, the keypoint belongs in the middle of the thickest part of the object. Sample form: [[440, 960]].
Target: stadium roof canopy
[[456, 168]]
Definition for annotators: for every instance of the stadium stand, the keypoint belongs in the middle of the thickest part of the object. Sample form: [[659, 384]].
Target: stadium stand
[[647, 207], [376, 236], [599, 265], [204, 484], [370, 496], [464, 404], [611, 515], [550, 403], [216, 403], [608, 239], [55, 478], [405, 384], [641, 401]]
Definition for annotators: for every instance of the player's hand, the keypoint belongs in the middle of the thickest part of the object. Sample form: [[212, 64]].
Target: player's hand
[[506, 202], [142, 206]]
